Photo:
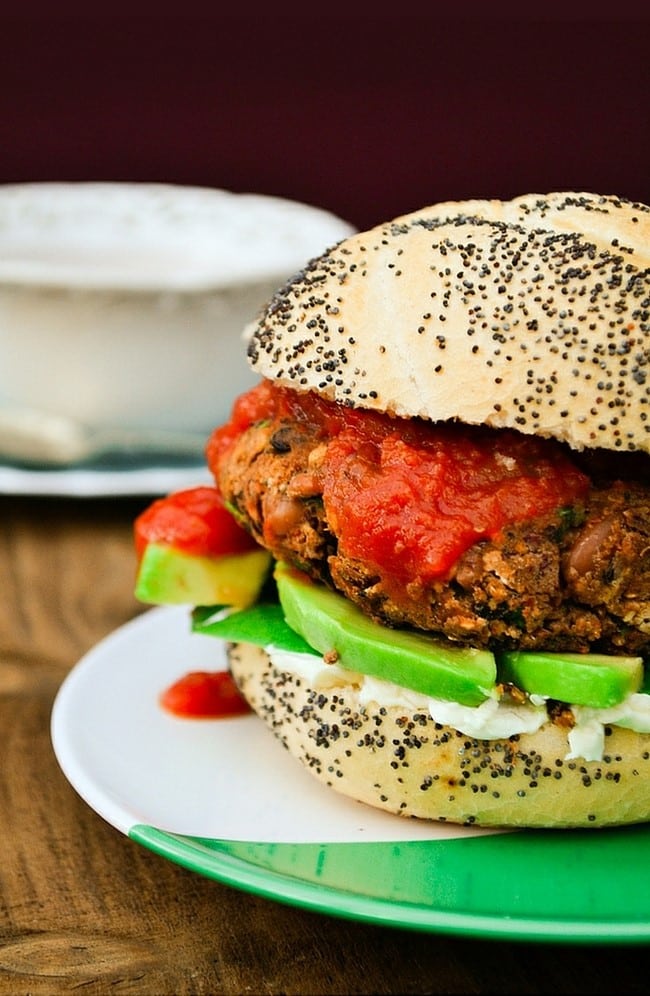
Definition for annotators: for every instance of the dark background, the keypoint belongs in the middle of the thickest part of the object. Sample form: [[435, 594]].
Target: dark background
[[368, 116]]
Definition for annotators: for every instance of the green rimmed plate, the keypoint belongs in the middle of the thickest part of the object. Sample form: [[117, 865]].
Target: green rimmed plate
[[198, 792]]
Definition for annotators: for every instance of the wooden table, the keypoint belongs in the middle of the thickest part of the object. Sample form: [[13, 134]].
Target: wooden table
[[83, 908]]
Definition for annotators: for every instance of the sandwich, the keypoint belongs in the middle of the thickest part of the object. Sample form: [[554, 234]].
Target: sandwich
[[443, 478]]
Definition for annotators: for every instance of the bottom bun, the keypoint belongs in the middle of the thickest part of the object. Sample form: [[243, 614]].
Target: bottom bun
[[409, 765]]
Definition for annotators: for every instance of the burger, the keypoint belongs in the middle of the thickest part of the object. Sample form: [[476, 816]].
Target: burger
[[447, 461]]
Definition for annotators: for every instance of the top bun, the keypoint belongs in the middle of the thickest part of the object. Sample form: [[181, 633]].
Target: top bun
[[531, 314]]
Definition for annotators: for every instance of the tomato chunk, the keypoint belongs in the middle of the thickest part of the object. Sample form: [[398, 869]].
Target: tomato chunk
[[194, 520]]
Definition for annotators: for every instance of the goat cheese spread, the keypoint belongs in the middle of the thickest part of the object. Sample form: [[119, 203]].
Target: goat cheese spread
[[494, 719]]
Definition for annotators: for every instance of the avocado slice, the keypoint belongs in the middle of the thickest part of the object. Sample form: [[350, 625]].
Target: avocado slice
[[323, 621], [331, 623], [596, 680], [168, 576]]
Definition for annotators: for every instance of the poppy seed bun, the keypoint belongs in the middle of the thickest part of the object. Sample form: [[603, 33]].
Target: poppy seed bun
[[408, 765], [530, 314]]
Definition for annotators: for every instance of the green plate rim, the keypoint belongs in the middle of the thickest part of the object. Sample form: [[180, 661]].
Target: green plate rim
[[236, 864]]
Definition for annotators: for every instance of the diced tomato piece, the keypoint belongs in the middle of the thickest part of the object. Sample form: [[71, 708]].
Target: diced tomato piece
[[194, 520]]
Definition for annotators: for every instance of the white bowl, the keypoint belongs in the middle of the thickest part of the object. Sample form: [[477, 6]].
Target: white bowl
[[123, 304]]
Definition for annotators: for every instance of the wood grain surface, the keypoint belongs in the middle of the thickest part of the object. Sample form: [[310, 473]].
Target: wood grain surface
[[82, 908]]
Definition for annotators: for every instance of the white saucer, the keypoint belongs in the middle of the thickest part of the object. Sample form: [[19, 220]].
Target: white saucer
[[100, 480]]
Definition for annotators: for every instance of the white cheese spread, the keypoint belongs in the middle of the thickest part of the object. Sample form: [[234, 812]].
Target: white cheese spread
[[494, 719]]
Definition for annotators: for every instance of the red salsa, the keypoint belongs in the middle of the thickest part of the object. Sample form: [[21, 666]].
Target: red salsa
[[194, 520], [204, 695], [410, 496]]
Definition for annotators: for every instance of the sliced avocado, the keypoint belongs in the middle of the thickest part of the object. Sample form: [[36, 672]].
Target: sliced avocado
[[596, 680], [167, 576], [330, 623]]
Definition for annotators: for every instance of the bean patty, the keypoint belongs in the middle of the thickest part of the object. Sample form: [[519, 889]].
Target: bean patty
[[577, 578]]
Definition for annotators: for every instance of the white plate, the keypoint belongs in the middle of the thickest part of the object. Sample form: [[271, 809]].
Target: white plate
[[124, 753], [98, 481], [224, 799]]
